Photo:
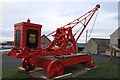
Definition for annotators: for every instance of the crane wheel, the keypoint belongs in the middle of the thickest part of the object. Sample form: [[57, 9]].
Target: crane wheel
[[26, 64], [91, 64], [54, 69]]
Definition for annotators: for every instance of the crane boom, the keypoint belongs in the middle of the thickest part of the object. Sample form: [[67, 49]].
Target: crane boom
[[72, 24]]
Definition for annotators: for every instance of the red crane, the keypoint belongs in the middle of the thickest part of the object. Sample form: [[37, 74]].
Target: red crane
[[58, 53]]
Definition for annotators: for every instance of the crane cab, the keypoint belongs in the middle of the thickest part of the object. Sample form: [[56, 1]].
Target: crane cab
[[27, 35]]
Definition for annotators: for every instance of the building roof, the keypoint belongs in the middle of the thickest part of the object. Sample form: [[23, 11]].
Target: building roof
[[100, 41], [117, 30], [45, 38]]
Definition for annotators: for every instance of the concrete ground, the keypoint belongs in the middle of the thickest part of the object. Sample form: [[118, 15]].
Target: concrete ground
[[8, 61], [103, 58]]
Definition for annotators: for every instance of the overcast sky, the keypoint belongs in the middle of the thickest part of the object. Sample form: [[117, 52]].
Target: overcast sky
[[52, 15]]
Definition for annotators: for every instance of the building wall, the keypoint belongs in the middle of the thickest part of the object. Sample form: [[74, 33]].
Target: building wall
[[91, 47], [114, 37], [44, 42], [96, 48], [102, 49]]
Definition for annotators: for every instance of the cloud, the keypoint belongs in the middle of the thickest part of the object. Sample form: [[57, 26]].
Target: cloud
[[53, 15]]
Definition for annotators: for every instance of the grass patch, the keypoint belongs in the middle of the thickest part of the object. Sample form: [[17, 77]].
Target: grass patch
[[104, 70], [12, 73]]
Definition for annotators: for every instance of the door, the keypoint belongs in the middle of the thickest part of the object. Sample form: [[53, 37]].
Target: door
[[118, 43]]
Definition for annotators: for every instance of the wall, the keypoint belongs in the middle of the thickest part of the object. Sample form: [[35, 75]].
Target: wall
[[44, 42], [91, 47], [102, 48], [114, 37]]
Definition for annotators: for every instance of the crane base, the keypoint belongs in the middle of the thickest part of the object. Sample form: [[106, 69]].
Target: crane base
[[55, 65]]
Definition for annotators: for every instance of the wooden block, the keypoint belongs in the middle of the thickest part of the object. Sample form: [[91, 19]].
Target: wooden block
[[36, 70], [21, 69]]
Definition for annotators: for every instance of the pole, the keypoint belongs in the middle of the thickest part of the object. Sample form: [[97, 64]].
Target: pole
[[86, 35]]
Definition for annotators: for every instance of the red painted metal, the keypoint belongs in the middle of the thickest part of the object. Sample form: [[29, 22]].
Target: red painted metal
[[27, 46], [26, 64], [55, 68], [90, 63]]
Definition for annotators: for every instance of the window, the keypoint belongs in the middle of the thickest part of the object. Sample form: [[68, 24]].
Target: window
[[17, 38], [32, 38]]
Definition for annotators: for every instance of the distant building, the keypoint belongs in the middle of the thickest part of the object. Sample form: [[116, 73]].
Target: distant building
[[97, 46], [45, 41], [115, 38], [80, 47], [10, 43], [7, 45]]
